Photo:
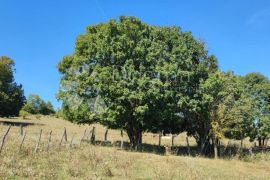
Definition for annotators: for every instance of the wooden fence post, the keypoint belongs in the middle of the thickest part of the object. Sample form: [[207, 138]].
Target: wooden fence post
[[21, 130], [64, 136], [188, 148], [83, 136], [228, 148], [173, 136], [72, 140], [106, 135], [4, 138], [22, 141], [93, 136], [159, 138], [122, 139], [49, 141], [37, 146]]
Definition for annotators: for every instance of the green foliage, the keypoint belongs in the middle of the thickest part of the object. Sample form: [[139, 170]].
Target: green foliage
[[35, 105], [38, 116], [146, 76], [257, 87], [59, 113], [23, 114], [129, 75], [11, 95]]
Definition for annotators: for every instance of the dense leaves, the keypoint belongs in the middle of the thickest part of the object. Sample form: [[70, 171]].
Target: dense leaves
[[35, 105], [11, 94], [129, 75], [146, 76]]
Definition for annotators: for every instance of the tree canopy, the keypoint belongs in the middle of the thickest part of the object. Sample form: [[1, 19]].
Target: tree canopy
[[35, 105], [11, 94], [129, 75], [145, 75]]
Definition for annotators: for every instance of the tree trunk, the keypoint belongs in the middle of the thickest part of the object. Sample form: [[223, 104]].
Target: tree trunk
[[135, 138], [201, 144], [260, 141], [188, 147], [241, 145], [214, 142], [219, 148]]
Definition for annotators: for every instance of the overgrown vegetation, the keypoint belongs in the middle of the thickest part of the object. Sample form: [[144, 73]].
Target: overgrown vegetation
[[129, 75]]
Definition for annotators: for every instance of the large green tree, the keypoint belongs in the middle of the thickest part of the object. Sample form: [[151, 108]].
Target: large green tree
[[11, 94], [145, 77]]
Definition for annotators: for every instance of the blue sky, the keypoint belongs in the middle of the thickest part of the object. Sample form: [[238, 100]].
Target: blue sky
[[37, 34]]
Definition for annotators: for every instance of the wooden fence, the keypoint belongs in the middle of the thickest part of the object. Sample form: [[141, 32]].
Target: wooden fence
[[89, 136]]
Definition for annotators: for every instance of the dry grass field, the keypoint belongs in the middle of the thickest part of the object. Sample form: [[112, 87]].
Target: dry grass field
[[87, 161]]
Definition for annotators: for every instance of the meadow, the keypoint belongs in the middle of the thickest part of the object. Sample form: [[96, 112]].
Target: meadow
[[78, 160]]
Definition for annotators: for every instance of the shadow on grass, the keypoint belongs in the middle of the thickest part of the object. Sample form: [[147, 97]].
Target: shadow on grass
[[193, 151], [147, 148], [19, 123]]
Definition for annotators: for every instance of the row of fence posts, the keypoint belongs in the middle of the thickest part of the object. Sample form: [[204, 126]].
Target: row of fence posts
[[91, 137], [23, 136], [172, 145]]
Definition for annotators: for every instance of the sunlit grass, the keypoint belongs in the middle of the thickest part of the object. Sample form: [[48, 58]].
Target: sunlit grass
[[96, 162]]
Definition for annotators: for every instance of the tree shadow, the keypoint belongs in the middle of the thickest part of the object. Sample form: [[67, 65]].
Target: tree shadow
[[19, 123], [193, 151]]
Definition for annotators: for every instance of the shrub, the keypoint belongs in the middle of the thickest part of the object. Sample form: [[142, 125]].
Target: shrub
[[23, 114], [38, 116]]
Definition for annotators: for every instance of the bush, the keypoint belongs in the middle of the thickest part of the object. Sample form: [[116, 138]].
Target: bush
[[35, 105], [38, 116], [23, 114]]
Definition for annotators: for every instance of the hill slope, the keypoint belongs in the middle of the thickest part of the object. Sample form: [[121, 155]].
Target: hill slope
[[91, 162]]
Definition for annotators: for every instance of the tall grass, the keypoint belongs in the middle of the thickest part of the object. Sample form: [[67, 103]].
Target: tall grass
[[96, 162]]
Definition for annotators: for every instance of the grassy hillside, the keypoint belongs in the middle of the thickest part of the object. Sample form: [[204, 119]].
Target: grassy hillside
[[96, 162]]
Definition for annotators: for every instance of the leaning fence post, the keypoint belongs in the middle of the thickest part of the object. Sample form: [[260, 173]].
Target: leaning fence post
[[122, 140], [22, 141], [4, 138], [93, 136], [37, 146], [49, 141], [106, 135], [83, 136], [64, 136]]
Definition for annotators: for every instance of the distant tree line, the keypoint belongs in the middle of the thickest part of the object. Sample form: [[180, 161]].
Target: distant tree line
[[35, 105], [140, 78]]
